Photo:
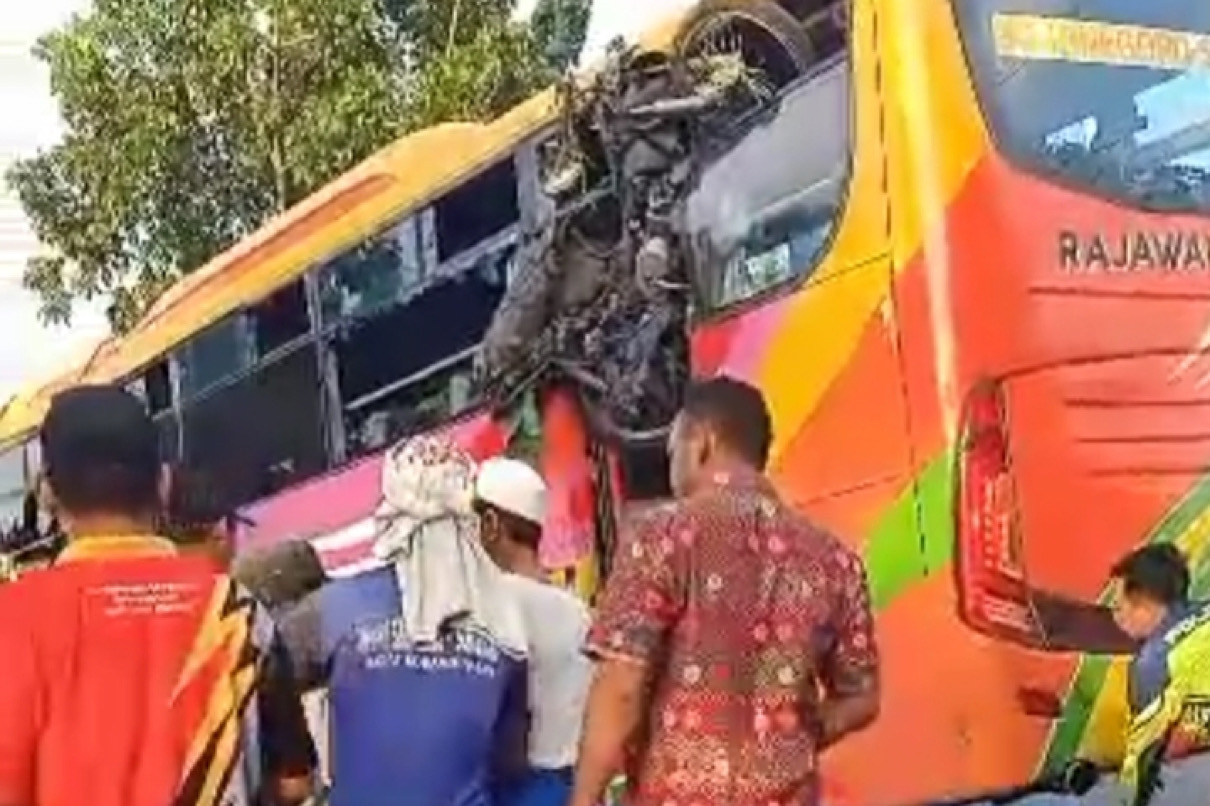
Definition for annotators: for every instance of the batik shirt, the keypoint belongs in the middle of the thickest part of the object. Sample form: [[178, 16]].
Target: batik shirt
[[748, 615]]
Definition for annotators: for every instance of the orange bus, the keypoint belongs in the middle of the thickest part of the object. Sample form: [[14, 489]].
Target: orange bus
[[964, 249]]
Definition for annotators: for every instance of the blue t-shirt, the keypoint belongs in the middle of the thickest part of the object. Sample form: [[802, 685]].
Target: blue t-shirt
[[433, 726], [1151, 669]]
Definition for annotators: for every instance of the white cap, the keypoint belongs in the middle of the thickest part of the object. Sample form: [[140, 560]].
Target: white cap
[[512, 486]]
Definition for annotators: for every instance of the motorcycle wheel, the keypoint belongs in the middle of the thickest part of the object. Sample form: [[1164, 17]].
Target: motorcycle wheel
[[768, 37]]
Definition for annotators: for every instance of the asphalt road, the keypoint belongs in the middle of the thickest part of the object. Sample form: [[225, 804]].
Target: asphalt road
[[1186, 783]]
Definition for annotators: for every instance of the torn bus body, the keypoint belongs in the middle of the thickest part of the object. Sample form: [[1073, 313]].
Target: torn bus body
[[601, 296]]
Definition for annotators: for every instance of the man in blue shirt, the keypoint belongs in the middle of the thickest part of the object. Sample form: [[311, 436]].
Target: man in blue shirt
[[424, 656], [1170, 674]]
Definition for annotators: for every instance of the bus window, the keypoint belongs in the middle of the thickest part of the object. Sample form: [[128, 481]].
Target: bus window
[[154, 387], [280, 319], [12, 486], [372, 276], [764, 209], [439, 393], [217, 353], [476, 210], [409, 368], [263, 431], [1110, 95], [781, 244]]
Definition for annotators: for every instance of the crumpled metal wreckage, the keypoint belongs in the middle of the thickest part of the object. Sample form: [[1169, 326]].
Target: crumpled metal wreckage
[[601, 296]]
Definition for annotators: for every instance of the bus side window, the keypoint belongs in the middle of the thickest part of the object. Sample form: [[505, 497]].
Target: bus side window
[[403, 364], [262, 431], [216, 354], [12, 486], [473, 212], [154, 387], [764, 210], [280, 320], [251, 402], [371, 276]]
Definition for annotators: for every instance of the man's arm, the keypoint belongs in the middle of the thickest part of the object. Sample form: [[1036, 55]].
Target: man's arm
[[20, 700], [643, 599], [850, 670], [1074, 625], [612, 715], [287, 750], [301, 631]]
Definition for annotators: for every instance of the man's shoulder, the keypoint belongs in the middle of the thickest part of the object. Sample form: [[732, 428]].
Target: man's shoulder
[[17, 596], [654, 517], [372, 588], [1150, 662], [546, 595], [38, 586], [712, 506]]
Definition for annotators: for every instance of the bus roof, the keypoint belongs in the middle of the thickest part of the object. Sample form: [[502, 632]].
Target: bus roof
[[401, 177]]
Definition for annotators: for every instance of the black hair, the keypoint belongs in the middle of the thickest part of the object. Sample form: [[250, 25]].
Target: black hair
[[196, 506], [519, 530], [100, 451], [97, 488], [736, 412], [1158, 571]]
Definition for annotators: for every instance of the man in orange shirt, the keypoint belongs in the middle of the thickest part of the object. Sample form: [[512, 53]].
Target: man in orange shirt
[[135, 676]]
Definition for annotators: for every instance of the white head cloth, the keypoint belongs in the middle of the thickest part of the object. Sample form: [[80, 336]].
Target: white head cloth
[[426, 527]]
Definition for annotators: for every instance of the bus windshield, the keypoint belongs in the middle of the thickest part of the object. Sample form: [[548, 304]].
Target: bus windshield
[[1110, 95]]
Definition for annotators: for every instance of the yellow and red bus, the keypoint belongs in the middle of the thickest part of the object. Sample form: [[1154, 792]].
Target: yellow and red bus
[[968, 262]]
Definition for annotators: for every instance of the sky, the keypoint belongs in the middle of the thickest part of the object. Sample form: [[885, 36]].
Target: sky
[[30, 121], [30, 352]]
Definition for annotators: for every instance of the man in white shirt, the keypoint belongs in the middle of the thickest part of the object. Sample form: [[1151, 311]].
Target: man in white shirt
[[510, 498]]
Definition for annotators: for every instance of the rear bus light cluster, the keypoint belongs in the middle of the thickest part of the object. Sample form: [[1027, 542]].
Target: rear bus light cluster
[[993, 596]]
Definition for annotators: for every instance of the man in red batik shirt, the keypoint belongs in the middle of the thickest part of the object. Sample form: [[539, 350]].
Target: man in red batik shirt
[[734, 639], [134, 675]]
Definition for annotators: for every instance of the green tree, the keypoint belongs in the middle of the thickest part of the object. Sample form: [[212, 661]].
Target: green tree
[[189, 124]]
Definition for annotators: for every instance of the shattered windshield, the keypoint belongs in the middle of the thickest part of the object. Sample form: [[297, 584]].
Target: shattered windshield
[[762, 211], [1109, 95]]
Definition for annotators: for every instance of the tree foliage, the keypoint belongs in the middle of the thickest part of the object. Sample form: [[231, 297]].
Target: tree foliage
[[189, 123]]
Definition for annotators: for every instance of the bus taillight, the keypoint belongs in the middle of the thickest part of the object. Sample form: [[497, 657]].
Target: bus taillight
[[993, 596]]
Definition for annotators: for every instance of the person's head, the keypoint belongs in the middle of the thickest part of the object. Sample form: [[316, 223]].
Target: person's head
[[1151, 582], [428, 486], [197, 515], [722, 420], [100, 453], [281, 574], [510, 499]]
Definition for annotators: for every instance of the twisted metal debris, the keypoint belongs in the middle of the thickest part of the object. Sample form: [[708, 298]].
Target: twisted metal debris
[[601, 296]]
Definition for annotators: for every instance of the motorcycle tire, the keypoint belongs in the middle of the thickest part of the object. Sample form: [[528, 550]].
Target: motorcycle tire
[[764, 16]]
